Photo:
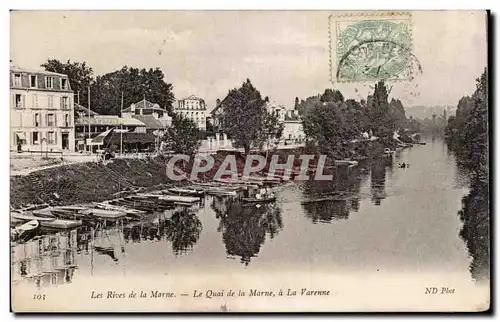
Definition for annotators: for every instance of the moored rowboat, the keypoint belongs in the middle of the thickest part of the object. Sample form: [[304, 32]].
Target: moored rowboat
[[61, 224], [255, 200]]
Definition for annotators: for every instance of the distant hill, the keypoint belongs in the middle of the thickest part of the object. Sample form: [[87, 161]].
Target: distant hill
[[422, 112]]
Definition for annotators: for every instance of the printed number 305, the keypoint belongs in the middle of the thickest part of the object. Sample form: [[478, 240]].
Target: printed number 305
[[39, 297]]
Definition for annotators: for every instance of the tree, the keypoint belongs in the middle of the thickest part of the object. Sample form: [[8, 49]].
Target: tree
[[381, 122], [80, 76], [329, 126], [308, 104], [468, 138], [332, 96], [397, 113], [135, 84], [296, 105], [246, 119], [182, 136]]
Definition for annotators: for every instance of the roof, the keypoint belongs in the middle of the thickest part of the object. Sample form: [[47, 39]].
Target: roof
[[131, 137], [100, 138], [192, 97], [34, 71], [145, 104], [81, 108], [150, 121], [111, 120]]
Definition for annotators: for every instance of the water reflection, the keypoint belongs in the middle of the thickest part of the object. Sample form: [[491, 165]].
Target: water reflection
[[183, 230], [45, 260], [326, 201], [244, 226], [378, 175], [49, 259]]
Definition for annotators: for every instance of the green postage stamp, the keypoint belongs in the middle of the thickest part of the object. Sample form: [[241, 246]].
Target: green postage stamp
[[371, 46]]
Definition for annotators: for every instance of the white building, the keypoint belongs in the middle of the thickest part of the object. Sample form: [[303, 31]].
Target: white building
[[193, 108], [41, 111], [141, 109], [292, 123]]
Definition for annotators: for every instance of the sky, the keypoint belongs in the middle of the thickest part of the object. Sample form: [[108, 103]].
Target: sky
[[284, 53]]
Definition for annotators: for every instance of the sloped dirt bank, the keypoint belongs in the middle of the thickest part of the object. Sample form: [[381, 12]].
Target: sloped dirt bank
[[86, 182]]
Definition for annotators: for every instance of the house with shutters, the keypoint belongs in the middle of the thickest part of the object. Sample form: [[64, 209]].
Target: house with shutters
[[41, 111]]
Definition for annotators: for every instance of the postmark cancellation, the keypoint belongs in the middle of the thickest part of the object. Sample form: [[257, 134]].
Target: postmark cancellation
[[368, 47]]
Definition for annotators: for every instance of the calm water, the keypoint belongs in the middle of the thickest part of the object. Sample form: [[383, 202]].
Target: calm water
[[391, 219]]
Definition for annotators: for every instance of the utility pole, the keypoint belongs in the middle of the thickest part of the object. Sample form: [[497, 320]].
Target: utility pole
[[121, 123], [90, 148]]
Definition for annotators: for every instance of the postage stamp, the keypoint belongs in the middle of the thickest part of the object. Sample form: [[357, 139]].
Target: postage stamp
[[371, 46]]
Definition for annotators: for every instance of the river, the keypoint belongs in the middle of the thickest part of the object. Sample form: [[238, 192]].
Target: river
[[390, 219]]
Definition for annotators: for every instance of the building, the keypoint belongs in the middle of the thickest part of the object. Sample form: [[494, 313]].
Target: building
[[41, 111], [292, 128], [88, 128], [292, 123], [151, 110], [193, 108], [293, 132]]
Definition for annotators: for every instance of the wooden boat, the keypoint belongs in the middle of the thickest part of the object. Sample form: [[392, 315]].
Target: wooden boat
[[345, 163], [22, 230], [45, 212], [128, 211], [29, 216], [70, 212], [33, 207], [255, 200], [183, 199], [324, 199], [15, 222], [61, 224], [105, 214], [221, 192], [184, 192], [74, 209], [30, 225]]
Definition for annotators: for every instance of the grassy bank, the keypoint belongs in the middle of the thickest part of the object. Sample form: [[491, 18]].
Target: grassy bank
[[85, 182]]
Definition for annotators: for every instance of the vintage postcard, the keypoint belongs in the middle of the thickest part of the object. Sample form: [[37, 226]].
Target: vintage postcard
[[249, 161]]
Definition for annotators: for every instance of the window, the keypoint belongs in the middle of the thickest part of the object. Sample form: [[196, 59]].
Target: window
[[64, 83], [34, 138], [18, 101], [35, 101], [17, 80], [49, 82], [51, 120], [33, 81], [66, 120], [51, 138], [37, 119], [50, 100], [64, 102]]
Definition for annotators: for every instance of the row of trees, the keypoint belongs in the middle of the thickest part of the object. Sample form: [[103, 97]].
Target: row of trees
[[467, 137], [106, 90], [328, 119], [332, 122], [246, 118]]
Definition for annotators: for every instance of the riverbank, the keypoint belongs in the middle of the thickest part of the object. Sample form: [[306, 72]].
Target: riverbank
[[86, 182], [92, 181]]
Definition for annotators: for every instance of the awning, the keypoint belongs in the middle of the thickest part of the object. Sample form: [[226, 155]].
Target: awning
[[98, 140], [21, 136]]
